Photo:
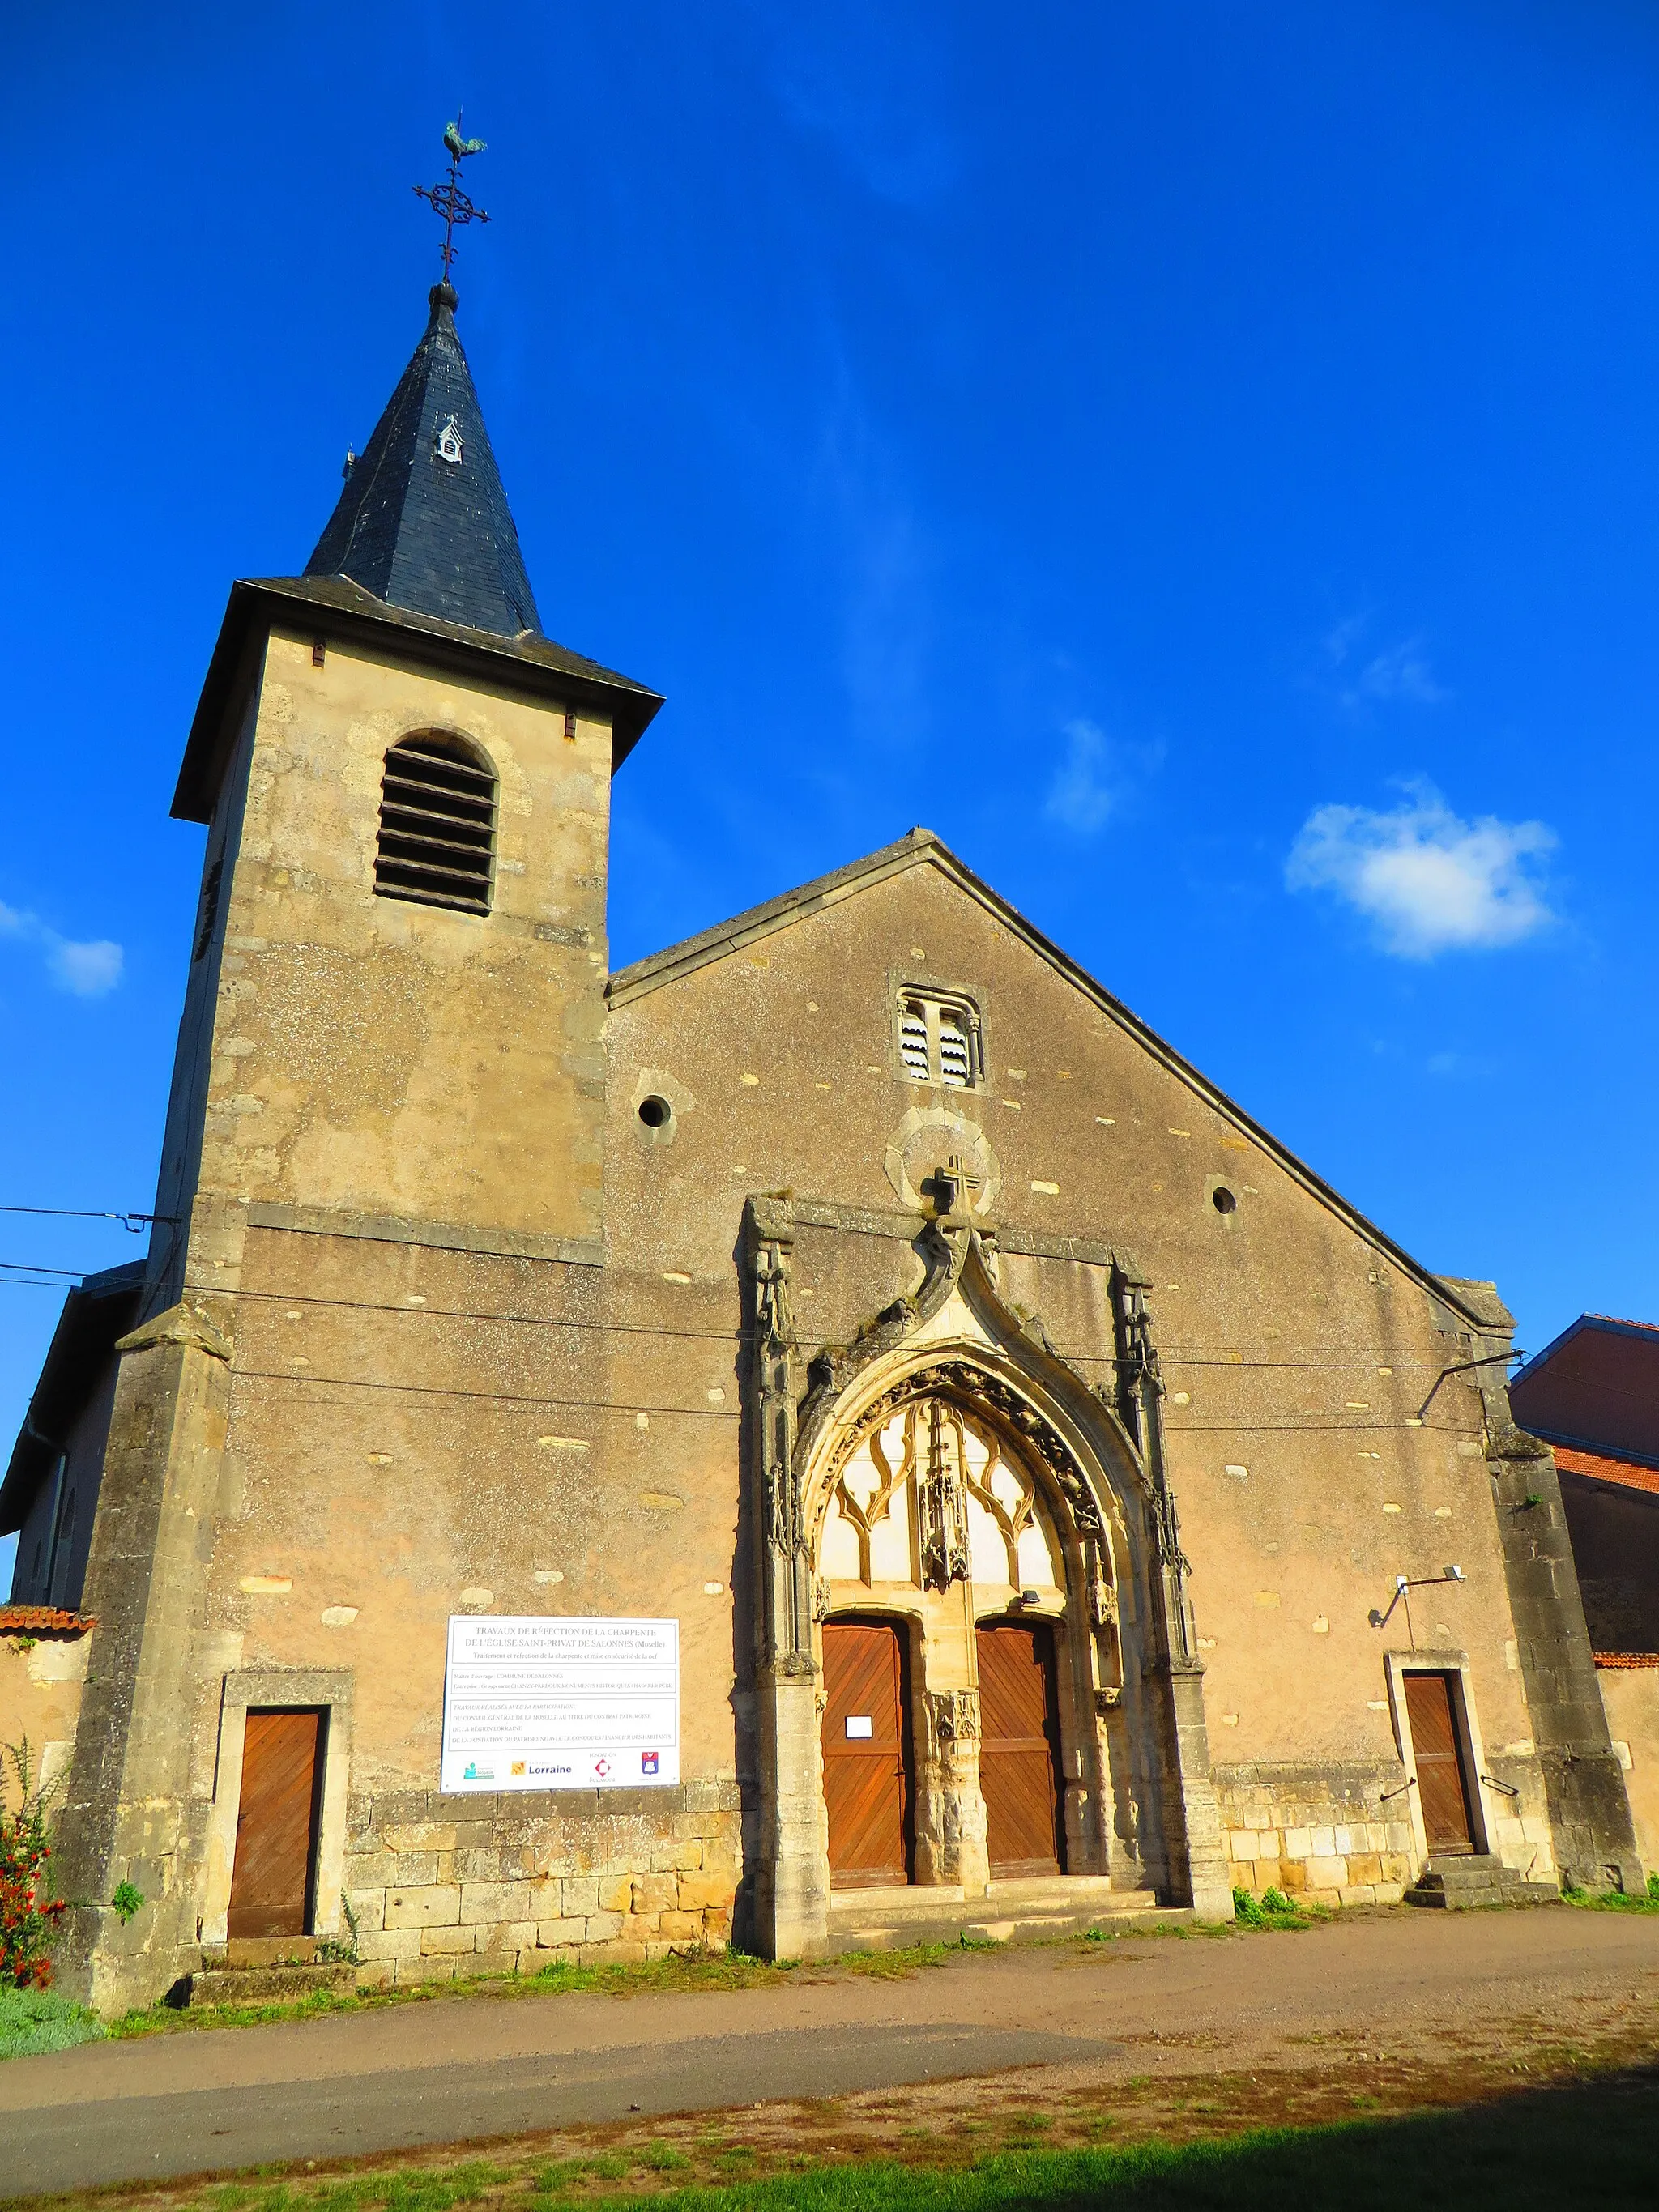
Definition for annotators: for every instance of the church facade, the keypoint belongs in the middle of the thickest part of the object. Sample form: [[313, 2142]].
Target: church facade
[[1017, 1448]]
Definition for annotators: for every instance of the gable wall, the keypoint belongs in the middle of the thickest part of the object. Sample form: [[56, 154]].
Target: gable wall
[[1269, 1322]]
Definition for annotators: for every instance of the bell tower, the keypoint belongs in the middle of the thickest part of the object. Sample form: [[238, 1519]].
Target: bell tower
[[396, 992], [389, 1080]]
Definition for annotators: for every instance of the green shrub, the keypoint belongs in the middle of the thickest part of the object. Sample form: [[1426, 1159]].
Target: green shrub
[[29, 1914], [1272, 1909], [33, 2020]]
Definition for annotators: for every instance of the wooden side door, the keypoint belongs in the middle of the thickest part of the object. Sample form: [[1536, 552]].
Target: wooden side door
[[866, 1753], [276, 1824], [1442, 1786], [1019, 1748]]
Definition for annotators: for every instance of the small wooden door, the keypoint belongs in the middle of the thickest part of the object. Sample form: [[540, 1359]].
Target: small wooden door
[[276, 1822], [866, 1753], [1442, 1786], [1019, 1748]]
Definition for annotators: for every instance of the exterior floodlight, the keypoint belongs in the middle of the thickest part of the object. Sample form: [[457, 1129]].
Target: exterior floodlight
[[1403, 1587]]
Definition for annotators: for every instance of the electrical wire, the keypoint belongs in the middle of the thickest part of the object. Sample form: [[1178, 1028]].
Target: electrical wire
[[130, 1222], [740, 1336], [491, 1397], [468, 1313]]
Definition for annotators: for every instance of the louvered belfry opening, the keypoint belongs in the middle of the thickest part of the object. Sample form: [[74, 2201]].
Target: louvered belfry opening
[[913, 1040], [955, 1064], [437, 825]]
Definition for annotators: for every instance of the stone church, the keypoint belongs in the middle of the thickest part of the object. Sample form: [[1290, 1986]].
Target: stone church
[[833, 1432]]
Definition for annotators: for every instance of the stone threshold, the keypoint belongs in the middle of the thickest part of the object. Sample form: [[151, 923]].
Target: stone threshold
[[1038, 1910]]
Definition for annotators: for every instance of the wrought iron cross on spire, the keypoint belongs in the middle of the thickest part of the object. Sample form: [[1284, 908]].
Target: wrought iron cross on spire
[[449, 200]]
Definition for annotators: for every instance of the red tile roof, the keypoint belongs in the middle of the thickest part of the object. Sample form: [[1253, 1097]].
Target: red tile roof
[[1627, 1658], [42, 1620], [1628, 1472]]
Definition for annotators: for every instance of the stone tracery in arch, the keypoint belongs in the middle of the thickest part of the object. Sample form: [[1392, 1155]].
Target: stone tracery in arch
[[950, 1474]]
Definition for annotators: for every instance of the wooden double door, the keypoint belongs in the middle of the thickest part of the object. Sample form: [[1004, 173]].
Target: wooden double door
[[866, 1753], [868, 1783], [1019, 1748]]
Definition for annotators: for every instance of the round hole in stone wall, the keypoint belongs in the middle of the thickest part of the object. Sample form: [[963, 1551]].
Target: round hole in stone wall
[[1221, 1197], [655, 1113]]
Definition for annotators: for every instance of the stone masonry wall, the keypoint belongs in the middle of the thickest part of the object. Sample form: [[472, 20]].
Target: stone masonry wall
[[1326, 1836], [447, 1885], [1322, 1835]]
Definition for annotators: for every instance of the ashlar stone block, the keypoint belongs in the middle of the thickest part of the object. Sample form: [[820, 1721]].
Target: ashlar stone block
[[698, 1892], [431, 1906], [448, 1939], [378, 1943]]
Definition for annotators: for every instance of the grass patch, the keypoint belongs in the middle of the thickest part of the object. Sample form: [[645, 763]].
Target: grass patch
[[1273, 1908], [700, 1970], [1591, 2142], [1615, 1900], [33, 2020]]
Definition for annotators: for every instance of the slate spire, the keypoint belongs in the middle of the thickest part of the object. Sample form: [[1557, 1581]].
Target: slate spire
[[424, 522]]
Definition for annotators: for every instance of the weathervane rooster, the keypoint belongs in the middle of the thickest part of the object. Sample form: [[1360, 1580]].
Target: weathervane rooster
[[447, 198]]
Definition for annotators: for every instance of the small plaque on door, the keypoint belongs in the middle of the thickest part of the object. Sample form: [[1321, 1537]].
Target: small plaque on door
[[858, 1724]]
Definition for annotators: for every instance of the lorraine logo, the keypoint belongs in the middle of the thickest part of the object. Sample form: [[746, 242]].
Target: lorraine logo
[[518, 1766], [602, 1767], [647, 1762]]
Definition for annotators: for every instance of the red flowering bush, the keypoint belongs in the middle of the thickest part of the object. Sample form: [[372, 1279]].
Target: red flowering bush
[[29, 1914]]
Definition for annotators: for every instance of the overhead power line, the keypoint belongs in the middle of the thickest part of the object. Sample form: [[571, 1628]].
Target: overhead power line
[[131, 1222]]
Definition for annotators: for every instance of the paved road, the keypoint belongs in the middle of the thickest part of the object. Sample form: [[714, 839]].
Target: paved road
[[458, 2069]]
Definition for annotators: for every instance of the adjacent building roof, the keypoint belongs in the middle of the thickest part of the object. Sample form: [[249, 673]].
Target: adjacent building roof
[[44, 1621], [1627, 1473], [424, 522], [1596, 1387], [95, 1313]]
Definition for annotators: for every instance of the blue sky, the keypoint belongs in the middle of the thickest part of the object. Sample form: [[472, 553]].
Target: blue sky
[[1200, 460]]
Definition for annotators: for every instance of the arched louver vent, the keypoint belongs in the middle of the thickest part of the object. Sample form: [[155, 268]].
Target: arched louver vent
[[955, 1064], [913, 1040], [437, 825], [938, 1040]]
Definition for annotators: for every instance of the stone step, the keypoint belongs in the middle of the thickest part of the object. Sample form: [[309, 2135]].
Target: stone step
[[264, 1951], [275, 1984], [1461, 1883], [1043, 1910]]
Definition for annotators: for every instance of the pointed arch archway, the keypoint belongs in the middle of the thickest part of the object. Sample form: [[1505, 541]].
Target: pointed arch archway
[[951, 1472]]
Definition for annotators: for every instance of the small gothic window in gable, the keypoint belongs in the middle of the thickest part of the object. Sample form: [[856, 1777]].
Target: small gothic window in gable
[[437, 842], [447, 442], [938, 1040]]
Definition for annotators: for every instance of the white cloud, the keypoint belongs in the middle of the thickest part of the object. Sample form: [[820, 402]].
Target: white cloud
[[1400, 673], [1427, 879], [88, 970], [1080, 798]]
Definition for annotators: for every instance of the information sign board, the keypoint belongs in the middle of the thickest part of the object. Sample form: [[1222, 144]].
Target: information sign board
[[537, 1702]]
